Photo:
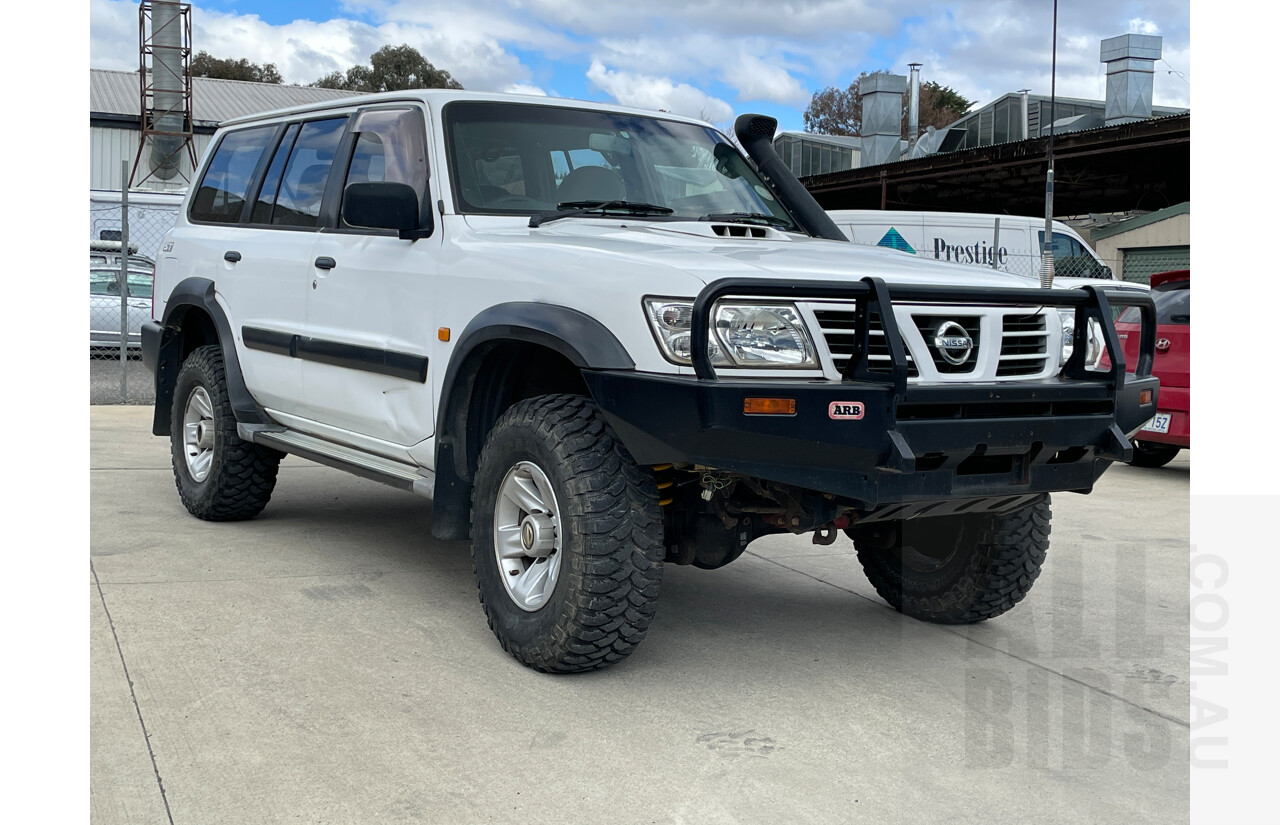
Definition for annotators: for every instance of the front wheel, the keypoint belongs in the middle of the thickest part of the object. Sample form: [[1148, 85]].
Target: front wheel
[[955, 569], [568, 541]]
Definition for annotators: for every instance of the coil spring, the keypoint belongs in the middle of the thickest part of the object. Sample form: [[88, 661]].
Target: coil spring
[[665, 483]]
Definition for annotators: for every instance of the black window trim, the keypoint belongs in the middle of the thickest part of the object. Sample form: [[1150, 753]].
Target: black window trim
[[322, 221], [275, 149]]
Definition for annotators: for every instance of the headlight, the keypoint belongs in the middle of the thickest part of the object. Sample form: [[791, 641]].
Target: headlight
[[1068, 318], [1093, 343], [764, 336]]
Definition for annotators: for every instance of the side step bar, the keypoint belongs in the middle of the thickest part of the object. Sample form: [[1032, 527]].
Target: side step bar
[[397, 474]]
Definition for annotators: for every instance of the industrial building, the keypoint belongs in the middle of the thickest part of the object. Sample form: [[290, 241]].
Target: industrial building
[[1117, 162], [115, 125]]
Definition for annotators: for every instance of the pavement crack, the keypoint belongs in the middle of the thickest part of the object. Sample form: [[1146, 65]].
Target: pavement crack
[[1168, 718], [146, 736]]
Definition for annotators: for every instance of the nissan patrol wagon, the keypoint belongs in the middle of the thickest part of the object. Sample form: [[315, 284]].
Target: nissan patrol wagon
[[603, 340]]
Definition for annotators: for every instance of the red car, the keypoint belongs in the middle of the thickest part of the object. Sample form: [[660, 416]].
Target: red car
[[1169, 430]]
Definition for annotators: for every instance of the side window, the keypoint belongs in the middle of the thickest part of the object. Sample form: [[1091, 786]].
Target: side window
[[267, 195], [224, 188], [306, 173], [104, 282], [391, 146]]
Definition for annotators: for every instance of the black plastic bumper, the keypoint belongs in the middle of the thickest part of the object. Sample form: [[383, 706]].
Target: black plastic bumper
[[910, 442]]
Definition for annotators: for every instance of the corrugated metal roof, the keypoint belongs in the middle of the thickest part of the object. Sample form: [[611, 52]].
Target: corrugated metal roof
[[213, 101]]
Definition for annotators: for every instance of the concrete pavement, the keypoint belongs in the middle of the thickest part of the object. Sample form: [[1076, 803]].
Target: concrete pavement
[[329, 662]]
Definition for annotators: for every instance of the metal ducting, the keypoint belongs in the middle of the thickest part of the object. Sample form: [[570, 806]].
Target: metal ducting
[[913, 112], [169, 83], [882, 117], [1130, 60]]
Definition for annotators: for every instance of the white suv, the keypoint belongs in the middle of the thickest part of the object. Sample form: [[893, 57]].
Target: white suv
[[601, 339]]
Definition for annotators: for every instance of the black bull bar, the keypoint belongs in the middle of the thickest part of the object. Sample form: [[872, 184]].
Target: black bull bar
[[910, 443]]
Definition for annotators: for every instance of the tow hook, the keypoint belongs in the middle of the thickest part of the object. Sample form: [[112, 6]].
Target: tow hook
[[826, 534]]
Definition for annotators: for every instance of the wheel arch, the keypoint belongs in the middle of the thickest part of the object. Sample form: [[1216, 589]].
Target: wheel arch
[[193, 318], [507, 353]]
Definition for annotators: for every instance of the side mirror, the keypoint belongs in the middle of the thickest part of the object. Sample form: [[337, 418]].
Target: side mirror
[[381, 205]]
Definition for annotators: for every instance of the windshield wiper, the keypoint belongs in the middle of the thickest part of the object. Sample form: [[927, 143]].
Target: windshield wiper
[[569, 209], [757, 218]]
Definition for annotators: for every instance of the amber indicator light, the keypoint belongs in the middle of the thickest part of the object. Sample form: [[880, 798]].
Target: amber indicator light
[[769, 406], [1144, 397], [443, 333]]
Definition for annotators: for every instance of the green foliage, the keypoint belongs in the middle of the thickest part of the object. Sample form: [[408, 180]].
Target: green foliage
[[390, 69], [206, 65], [835, 111]]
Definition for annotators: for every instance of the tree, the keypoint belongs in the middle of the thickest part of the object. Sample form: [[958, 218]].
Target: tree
[[390, 69], [835, 111], [206, 65]]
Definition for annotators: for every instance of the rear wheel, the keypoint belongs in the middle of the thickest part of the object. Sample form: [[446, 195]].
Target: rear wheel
[[220, 477], [955, 569], [1153, 453], [568, 541]]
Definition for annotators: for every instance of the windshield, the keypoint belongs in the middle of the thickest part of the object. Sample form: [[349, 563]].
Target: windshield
[[518, 159], [1072, 258]]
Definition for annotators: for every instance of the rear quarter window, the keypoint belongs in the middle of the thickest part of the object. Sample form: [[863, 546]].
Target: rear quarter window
[[223, 189]]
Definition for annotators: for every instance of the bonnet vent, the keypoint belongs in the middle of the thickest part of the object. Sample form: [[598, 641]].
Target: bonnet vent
[[735, 230]]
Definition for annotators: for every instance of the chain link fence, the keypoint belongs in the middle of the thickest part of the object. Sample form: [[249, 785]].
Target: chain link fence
[[120, 290]]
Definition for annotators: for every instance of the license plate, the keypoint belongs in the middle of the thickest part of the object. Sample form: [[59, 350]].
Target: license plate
[[1159, 423]]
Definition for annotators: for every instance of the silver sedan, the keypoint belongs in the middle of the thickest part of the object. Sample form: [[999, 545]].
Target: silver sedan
[[104, 306]]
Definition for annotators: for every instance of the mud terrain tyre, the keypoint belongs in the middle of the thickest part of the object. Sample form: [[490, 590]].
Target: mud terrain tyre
[[220, 477], [568, 541], [955, 569]]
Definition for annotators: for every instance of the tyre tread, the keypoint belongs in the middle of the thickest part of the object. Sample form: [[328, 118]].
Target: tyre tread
[[622, 534], [1001, 569], [244, 474]]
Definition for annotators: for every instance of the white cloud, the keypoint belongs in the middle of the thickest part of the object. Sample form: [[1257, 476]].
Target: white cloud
[[1139, 26], [304, 50], [652, 92], [776, 52], [524, 89]]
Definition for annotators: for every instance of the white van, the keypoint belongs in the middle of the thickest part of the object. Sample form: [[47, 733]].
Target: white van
[[971, 238]]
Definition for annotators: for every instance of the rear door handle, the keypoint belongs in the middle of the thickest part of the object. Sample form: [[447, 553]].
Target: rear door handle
[[325, 262], [231, 256]]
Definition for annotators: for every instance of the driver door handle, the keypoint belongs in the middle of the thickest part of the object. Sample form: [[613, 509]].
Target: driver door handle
[[325, 262]]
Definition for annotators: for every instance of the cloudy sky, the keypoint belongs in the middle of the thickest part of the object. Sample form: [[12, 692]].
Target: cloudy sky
[[711, 58]]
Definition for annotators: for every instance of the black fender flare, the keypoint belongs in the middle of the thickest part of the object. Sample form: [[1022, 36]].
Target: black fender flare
[[200, 294], [582, 340]]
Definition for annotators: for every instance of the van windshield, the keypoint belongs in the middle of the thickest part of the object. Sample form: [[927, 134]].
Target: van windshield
[[1073, 259], [517, 159]]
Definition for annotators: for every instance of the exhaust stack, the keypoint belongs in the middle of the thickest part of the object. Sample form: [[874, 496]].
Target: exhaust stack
[[913, 112], [170, 87]]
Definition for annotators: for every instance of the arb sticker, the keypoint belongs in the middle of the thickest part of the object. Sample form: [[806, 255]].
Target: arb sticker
[[846, 410]]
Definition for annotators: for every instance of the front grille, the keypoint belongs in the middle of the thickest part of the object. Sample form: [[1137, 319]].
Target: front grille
[[1023, 342], [839, 326], [931, 325], [1023, 346]]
